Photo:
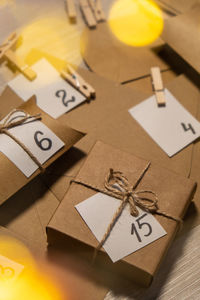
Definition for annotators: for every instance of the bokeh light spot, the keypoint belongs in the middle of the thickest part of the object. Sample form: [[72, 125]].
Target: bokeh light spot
[[136, 22], [31, 283], [53, 36]]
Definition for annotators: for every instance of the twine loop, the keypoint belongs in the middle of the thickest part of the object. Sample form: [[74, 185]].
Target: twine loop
[[11, 121], [117, 184]]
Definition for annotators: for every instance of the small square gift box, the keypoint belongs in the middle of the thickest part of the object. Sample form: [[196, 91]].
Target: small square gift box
[[121, 212], [30, 141]]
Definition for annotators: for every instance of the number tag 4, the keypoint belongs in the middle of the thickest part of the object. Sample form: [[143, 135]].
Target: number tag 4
[[129, 233], [172, 127]]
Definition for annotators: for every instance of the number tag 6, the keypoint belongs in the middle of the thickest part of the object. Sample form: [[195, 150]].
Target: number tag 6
[[44, 144]]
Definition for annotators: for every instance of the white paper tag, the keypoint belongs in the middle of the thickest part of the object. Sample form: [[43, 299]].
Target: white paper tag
[[9, 269], [129, 233], [54, 95], [172, 127], [37, 137]]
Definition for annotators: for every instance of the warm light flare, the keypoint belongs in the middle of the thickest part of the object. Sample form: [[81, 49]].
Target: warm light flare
[[20, 279], [31, 286], [136, 22], [51, 35]]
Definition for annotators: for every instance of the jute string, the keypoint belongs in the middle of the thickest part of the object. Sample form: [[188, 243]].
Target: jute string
[[10, 122], [117, 185]]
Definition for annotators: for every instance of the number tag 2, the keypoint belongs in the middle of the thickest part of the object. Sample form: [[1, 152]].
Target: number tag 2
[[54, 95]]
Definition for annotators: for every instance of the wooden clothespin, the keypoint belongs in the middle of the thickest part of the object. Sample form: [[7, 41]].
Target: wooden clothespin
[[158, 86], [78, 82], [71, 9], [7, 53], [88, 14], [97, 9]]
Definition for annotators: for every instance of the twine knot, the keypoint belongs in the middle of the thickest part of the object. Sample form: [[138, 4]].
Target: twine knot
[[13, 120], [118, 185]]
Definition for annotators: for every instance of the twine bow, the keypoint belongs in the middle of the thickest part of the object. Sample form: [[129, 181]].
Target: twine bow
[[11, 121], [117, 185]]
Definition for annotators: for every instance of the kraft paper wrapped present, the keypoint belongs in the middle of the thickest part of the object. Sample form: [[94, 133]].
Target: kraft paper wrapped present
[[181, 33], [173, 191], [110, 58], [102, 119], [12, 178]]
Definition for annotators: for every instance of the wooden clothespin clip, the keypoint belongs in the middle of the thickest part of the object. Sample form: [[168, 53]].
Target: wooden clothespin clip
[[88, 14], [158, 86], [7, 53], [97, 9], [71, 10], [78, 82]]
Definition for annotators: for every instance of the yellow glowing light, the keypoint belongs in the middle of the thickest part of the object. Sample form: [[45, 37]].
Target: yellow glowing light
[[4, 2], [53, 36], [16, 251], [31, 286], [31, 283], [136, 22]]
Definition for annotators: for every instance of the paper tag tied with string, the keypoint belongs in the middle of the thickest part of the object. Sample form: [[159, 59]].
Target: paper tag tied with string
[[129, 233], [34, 136]]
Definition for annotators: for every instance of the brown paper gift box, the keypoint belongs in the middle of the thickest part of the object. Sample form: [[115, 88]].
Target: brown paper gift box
[[181, 33], [12, 179], [174, 193]]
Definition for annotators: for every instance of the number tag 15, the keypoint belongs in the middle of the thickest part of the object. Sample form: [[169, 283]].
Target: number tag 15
[[129, 233], [141, 223]]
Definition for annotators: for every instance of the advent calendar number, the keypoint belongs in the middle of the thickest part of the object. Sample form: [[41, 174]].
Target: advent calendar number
[[7, 272], [63, 94], [140, 225], [185, 128], [45, 143]]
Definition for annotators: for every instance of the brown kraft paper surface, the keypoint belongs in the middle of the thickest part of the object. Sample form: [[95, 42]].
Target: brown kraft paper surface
[[174, 193]]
